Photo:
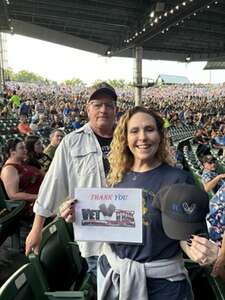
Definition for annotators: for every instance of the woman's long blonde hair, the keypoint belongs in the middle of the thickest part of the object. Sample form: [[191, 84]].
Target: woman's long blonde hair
[[120, 157]]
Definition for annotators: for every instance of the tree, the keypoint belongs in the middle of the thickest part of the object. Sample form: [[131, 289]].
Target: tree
[[9, 74], [117, 83], [74, 81], [26, 76], [96, 82]]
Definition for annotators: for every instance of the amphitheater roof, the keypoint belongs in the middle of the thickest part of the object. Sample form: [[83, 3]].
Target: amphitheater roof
[[188, 30]]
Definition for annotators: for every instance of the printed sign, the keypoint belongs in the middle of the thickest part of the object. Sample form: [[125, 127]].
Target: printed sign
[[108, 214]]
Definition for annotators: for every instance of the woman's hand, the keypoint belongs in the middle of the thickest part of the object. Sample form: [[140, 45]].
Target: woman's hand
[[67, 211], [201, 250], [219, 267]]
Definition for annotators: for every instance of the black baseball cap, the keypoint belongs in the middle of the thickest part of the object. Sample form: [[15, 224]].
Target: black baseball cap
[[103, 88], [183, 210], [208, 159]]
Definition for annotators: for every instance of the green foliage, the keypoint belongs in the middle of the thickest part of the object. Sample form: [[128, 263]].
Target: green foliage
[[9, 74], [74, 81], [96, 82], [24, 76], [116, 83]]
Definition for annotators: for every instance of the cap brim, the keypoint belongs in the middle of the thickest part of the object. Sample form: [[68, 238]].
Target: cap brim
[[103, 91], [181, 230]]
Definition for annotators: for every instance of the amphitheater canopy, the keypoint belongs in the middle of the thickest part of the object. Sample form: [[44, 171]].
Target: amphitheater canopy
[[215, 65], [188, 30]]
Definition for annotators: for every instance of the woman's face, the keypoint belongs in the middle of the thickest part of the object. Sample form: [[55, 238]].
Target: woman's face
[[20, 151], [38, 147], [143, 138]]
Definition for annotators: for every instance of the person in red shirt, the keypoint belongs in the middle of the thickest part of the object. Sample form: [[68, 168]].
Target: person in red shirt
[[21, 181], [23, 126]]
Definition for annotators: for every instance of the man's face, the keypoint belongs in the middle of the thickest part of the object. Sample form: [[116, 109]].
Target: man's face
[[56, 138], [101, 112], [210, 166]]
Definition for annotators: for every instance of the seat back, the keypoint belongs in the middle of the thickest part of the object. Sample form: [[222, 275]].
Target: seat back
[[13, 212], [59, 262], [2, 196], [22, 285]]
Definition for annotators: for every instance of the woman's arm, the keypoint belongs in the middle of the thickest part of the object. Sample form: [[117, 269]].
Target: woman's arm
[[219, 266], [200, 250], [10, 178], [210, 185]]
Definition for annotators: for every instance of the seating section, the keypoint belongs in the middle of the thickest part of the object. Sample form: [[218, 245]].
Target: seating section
[[23, 284], [59, 254], [203, 284], [181, 133], [58, 272], [12, 212]]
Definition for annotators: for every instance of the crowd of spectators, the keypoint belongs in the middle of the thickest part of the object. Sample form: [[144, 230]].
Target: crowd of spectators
[[53, 110], [43, 108], [178, 103]]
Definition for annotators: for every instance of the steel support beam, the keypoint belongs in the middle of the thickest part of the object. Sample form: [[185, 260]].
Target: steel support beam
[[138, 54]]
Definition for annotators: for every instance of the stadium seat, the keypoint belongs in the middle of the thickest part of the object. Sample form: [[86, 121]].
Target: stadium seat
[[59, 264], [11, 214], [204, 285], [22, 285]]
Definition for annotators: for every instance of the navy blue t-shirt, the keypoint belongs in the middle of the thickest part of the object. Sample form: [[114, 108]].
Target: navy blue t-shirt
[[156, 245]]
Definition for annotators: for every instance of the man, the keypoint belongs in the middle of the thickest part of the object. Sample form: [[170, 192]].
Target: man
[[23, 126], [25, 108], [57, 122], [56, 137], [212, 181], [79, 161]]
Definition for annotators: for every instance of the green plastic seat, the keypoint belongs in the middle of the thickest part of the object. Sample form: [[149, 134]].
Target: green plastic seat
[[59, 264], [22, 285], [204, 285], [9, 222]]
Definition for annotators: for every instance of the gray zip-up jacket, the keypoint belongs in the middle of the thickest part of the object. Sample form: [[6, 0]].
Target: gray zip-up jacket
[[76, 163]]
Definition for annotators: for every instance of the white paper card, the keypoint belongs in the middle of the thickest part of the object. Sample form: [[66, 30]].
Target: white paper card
[[108, 214]]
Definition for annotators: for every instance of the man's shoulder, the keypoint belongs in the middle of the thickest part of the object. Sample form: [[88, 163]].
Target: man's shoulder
[[78, 135]]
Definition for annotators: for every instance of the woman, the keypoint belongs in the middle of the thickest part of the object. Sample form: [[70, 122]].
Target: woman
[[139, 158], [21, 182], [35, 155]]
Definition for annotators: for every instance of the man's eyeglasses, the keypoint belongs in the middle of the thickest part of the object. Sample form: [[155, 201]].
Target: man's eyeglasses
[[97, 104]]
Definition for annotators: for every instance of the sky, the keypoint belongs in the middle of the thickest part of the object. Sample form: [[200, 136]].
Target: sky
[[57, 62]]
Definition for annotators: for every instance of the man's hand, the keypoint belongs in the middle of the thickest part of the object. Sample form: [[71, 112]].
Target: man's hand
[[33, 240]]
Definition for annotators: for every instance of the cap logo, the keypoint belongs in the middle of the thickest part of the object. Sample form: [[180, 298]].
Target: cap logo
[[188, 208]]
